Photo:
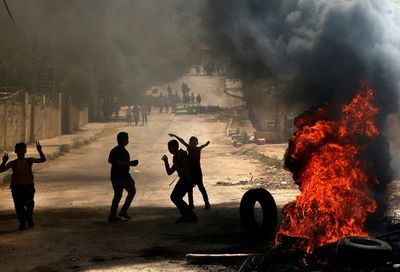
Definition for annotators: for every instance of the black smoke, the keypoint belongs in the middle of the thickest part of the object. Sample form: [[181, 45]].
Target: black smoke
[[323, 48], [319, 49]]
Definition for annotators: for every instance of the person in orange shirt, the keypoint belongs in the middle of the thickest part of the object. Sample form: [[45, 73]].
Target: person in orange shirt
[[22, 185]]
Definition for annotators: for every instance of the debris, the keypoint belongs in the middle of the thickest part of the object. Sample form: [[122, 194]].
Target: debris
[[215, 258]]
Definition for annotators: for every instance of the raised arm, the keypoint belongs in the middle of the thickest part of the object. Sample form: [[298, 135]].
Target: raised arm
[[41, 154], [182, 141], [3, 166], [204, 145]]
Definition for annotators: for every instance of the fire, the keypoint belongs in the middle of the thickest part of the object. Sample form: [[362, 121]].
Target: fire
[[326, 158]]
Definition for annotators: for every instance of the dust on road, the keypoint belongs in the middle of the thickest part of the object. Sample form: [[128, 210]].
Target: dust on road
[[74, 194]]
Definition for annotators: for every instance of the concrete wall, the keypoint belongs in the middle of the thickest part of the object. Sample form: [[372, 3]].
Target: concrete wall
[[15, 119], [47, 119], [78, 117], [12, 122]]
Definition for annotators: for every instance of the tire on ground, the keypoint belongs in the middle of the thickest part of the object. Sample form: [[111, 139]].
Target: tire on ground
[[363, 251], [269, 212]]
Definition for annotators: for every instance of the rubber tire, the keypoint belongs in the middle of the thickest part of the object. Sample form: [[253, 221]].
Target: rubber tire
[[269, 211], [363, 251]]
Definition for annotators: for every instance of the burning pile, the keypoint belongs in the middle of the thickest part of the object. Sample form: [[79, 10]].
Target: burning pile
[[327, 157]]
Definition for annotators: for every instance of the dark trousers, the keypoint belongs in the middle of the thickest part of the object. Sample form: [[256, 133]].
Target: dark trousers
[[180, 190], [202, 189], [23, 202], [119, 185]]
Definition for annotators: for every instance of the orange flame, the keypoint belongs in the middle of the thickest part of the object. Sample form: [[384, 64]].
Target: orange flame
[[332, 174]]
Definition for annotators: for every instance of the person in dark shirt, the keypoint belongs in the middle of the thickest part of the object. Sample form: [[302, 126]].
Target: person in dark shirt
[[194, 153], [22, 185], [121, 179], [180, 164]]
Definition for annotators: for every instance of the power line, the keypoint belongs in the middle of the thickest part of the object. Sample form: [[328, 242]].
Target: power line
[[12, 18]]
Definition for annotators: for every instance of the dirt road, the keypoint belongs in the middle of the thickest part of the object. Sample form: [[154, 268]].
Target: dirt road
[[73, 195]]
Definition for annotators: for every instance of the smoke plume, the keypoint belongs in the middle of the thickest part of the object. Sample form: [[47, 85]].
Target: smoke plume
[[320, 50], [323, 48]]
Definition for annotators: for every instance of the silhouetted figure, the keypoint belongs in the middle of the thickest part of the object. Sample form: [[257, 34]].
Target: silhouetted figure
[[192, 98], [186, 99], [185, 89], [181, 165], [116, 107], [194, 153], [174, 102], [148, 102], [135, 114], [121, 179], [198, 99], [128, 115], [167, 103], [22, 185], [161, 102], [145, 111]]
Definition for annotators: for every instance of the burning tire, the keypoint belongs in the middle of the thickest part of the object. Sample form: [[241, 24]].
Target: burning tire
[[269, 212], [363, 251]]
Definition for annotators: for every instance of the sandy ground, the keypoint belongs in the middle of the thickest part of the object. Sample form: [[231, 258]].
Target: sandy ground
[[73, 195]]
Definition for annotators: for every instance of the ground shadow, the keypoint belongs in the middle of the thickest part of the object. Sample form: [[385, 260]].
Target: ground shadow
[[83, 238]]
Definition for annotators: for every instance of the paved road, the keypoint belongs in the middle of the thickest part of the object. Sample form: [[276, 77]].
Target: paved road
[[74, 194]]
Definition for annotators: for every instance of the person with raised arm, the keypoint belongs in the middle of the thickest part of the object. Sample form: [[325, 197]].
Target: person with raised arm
[[180, 164], [22, 182], [194, 152]]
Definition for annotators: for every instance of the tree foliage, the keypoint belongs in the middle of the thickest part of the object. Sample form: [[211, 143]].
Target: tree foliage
[[111, 48]]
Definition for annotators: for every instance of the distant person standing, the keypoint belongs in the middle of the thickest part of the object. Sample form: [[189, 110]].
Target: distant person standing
[[183, 89], [198, 99], [121, 179], [194, 153], [192, 98], [145, 111], [22, 185], [135, 114], [174, 101], [161, 101], [180, 164], [128, 115]]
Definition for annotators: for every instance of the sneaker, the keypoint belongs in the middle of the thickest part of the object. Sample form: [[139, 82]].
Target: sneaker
[[125, 215], [112, 219], [207, 206]]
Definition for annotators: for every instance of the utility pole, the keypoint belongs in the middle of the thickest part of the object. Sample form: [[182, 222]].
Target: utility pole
[[33, 88]]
